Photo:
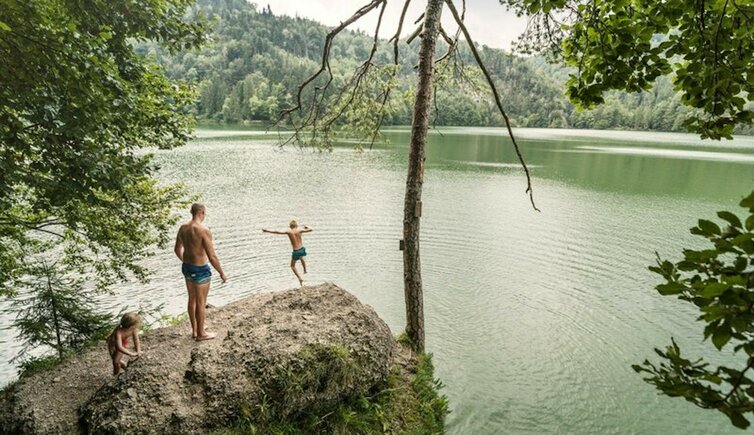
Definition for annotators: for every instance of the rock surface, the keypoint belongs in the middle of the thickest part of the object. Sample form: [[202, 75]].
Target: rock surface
[[276, 354]]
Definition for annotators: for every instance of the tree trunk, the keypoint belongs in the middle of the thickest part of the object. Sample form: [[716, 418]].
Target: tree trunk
[[55, 322], [412, 208]]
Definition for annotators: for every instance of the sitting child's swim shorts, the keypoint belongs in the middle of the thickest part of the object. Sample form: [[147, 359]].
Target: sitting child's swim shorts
[[298, 253], [197, 274]]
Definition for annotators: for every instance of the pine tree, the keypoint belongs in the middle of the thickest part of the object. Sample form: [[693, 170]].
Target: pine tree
[[56, 310]]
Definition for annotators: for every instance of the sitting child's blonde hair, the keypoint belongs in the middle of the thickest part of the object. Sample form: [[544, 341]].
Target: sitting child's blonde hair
[[130, 319], [293, 223]]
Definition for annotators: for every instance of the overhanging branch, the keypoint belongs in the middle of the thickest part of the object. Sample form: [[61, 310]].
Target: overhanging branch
[[495, 93], [325, 64]]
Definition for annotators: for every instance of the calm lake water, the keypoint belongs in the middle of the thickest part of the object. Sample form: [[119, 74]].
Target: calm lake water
[[534, 318]]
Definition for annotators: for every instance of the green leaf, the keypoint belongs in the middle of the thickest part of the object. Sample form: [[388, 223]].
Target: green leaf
[[750, 223], [4, 27], [748, 202], [738, 420], [687, 266], [740, 265], [671, 288], [721, 337], [739, 324], [638, 369], [714, 289], [708, 228], [731, 218]]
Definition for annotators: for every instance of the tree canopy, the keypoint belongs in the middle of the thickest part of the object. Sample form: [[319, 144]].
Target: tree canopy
[[78, 108], [706, 47]]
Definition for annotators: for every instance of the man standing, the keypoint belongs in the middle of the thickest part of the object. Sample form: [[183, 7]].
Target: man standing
[[193, 246]]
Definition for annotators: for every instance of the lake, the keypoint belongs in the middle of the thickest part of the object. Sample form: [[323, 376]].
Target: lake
[[534, 319]]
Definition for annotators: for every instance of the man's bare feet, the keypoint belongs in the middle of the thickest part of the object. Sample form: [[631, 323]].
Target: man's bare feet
[[206, 336]]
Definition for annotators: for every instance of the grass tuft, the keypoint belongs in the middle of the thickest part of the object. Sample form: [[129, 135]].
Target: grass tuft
[[408, 403]]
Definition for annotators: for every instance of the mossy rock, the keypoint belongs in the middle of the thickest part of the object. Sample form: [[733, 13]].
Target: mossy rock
[[408, 402], [276, 356]]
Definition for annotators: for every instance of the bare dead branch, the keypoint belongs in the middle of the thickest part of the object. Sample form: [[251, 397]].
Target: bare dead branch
[[359, 75], [396, 67], [318, 122], [452, 44], [396, 38], [445, 36], [325, 64], [495, 93], [415, 33]]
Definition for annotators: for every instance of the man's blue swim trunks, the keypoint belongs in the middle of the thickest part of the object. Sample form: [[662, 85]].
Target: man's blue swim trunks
[[196, 274], [298, 253]]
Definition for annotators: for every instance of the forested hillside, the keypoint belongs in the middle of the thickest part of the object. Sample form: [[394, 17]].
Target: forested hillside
[[257, 59]]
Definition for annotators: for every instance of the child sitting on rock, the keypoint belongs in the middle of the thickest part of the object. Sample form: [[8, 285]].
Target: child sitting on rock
[[119, 339], [299, 251]]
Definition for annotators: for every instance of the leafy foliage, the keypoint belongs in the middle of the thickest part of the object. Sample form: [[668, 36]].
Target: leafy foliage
[[719, 281], [627, 44], [56, 310], [77, 107]]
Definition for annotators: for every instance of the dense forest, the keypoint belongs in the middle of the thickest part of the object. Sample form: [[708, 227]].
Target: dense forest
[[257, 59]]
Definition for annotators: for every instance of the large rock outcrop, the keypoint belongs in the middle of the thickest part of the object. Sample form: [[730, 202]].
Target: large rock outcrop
[[276, 354]]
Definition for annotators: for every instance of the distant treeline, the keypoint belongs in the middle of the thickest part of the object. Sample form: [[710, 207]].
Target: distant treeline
[[257, 59]]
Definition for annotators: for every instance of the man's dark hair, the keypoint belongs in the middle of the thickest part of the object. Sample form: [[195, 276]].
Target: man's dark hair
[[196, 208]]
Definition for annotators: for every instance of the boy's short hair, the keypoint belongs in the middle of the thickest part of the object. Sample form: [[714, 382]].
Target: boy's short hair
[[196, 208], [293, 223]]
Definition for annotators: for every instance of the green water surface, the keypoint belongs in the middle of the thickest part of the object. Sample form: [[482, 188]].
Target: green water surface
[[534, 318]]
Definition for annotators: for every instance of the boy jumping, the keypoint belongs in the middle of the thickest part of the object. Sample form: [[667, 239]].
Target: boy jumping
[[299, 252]]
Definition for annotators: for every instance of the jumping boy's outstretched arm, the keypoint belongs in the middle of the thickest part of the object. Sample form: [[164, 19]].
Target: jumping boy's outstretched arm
[[307, 229], [265, 230]]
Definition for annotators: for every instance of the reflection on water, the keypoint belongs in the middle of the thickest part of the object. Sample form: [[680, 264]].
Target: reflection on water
[[674, 154], [565, 157], [533, 318]]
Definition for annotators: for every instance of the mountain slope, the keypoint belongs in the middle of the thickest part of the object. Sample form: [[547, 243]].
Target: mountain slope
[[257, 59]]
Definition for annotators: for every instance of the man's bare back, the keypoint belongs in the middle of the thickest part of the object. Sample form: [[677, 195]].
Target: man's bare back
[[193, 235]]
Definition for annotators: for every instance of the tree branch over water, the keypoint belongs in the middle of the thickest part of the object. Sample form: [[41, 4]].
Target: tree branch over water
[[495, 93], [320, 92], [320, 123]]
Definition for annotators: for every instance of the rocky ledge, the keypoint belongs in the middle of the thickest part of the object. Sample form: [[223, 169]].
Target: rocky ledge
[[276, 355]]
